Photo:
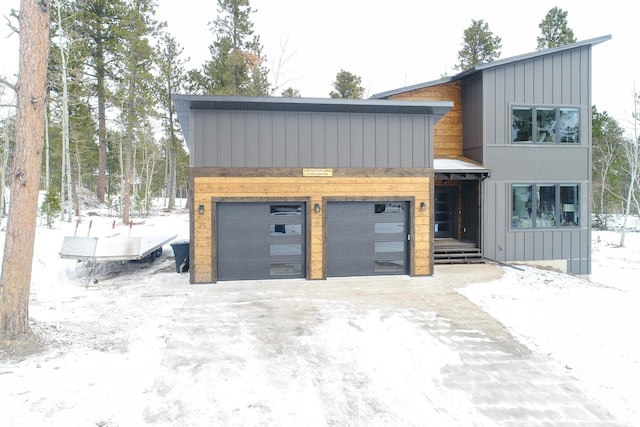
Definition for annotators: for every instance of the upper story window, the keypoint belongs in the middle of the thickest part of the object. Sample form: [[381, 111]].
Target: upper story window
[[545, 125]]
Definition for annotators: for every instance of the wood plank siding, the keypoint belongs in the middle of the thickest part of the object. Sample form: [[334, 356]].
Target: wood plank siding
[[209, 188], [447, 139]]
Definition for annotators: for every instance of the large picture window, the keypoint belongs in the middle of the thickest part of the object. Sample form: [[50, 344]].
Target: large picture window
[[545, 125], [545, 205]]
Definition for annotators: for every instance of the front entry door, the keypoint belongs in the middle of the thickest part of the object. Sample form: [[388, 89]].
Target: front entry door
[[445, 208]]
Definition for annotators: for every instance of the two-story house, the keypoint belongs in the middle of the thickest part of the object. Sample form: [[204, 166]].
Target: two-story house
[[492, 163]]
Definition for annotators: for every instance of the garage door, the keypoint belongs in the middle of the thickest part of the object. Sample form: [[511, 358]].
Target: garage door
[[260, 240], [367, 238]]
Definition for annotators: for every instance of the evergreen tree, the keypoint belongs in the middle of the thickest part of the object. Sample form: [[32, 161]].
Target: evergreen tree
[[135, 87], [97, 23], [555, 30], [291, 93], [347, 85], [171, 77], [237, 63], [479, 46]]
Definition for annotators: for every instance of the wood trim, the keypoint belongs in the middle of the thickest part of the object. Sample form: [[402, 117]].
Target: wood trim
[[298, 172]]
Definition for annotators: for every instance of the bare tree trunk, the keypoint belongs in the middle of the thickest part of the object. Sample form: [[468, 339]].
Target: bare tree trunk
[[15, 281], [632, 151], [128, 155], [102, 123]]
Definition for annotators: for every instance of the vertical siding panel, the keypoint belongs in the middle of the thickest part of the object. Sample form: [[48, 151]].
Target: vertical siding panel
[[266, 139], [419, 141], [406, 136], [557, 79], [500, 115], [489, 204], [291, 139], [499, 221], [538, 246], [538, 80], [253, 140], [394, 142], [304, 134], [548, 245], [205, 128], [344, 138], [238, 139], [357, 141], [576, 81], [567, 77], [224, 138], [518, 76], [382, 141], [318, 140], [331, 140], [429, 139], [279, 140], [548, 80], [369, 141], [529, 92], [210, 137]]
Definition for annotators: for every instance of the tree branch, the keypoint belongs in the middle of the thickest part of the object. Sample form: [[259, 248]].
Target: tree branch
[[8, 84], [14, 29]]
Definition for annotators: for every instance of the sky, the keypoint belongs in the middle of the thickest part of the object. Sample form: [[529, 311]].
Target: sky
[[413, 41]]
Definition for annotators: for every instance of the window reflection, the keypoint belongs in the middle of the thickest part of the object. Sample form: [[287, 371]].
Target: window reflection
[[388, 227], [570, 205], [285, 229], [285, 249], [285, 269], [569, 125], [389, 266], [521, 119], [545, 124], [383, 247], [389, 208], [521, 206], [546, 206], [287, 210]]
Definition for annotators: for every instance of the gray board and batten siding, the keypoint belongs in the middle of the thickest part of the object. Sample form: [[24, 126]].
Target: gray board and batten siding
[[314, 133], [559, 77]]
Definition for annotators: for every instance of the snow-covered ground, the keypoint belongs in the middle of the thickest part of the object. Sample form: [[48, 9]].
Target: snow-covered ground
[[587, 326], [122, 325]]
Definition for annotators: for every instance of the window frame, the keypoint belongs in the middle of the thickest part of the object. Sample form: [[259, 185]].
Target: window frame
[[534, 128], [533, 206]]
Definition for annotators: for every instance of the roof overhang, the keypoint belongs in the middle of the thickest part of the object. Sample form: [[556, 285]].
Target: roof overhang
[[185, 103], [459, 168]]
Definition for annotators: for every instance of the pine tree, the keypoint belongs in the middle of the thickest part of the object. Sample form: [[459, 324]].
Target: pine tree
[[347, 85], [171, 77], [555, 30], [135, 92], [479, 46], [237, 63], [96, 23]]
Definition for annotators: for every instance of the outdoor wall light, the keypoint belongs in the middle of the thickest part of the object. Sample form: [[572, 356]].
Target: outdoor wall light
[[201, 209], [317, 207], [423, 206]]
